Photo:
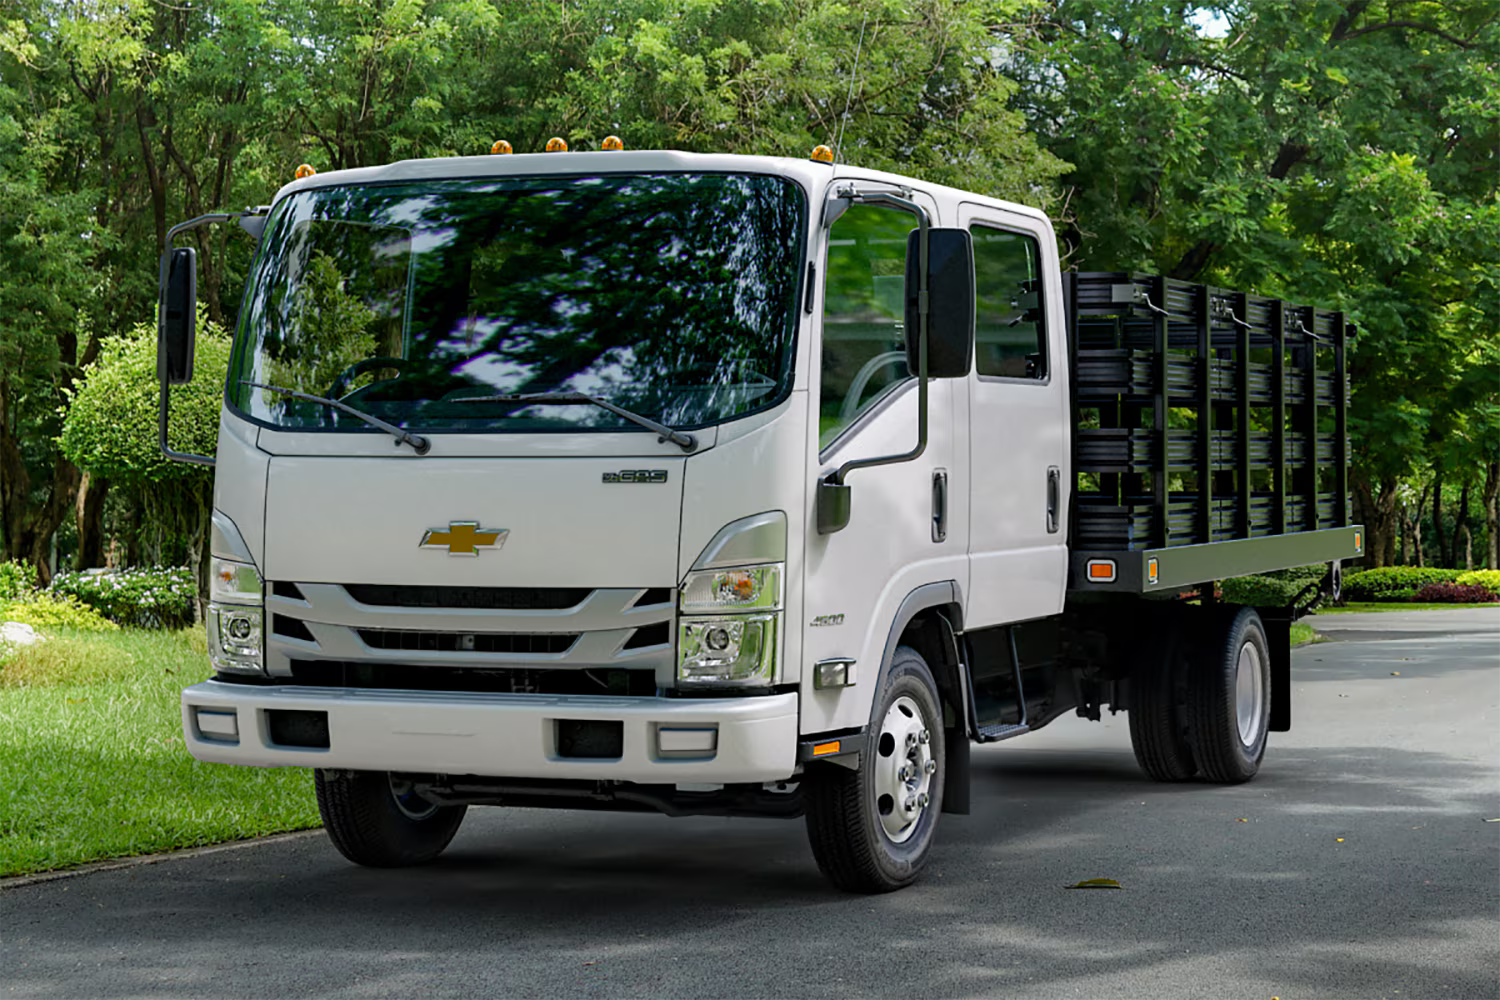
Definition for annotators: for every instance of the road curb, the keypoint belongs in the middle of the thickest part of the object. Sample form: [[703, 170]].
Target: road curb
[[21, 881]]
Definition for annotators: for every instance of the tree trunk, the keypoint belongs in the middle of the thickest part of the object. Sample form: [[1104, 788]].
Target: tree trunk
[[1437, 518], [1378, 512], [89, 512], [1461, 527], [1492, 514]]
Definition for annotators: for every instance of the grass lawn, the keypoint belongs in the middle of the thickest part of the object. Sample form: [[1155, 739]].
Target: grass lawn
[[93, 762], [1358, 607]]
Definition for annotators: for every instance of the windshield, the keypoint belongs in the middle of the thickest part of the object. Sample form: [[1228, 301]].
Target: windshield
[[670, 295]]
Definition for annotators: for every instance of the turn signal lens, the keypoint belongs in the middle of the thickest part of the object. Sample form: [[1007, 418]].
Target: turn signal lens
[[500, 146], [822, 154], [556, 145]]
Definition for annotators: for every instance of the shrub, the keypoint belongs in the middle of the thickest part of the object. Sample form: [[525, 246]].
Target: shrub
[[1271, 590], [161, 597], [1489, 579], [44, 610], [16, 578], [1455, 593], [1393, 583]]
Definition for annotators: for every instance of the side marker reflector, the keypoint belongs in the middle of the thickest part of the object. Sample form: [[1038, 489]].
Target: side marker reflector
[[824, 749], [1101, 571]]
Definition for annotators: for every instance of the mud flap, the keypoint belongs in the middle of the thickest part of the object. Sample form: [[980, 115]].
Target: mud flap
[[1279, 638]]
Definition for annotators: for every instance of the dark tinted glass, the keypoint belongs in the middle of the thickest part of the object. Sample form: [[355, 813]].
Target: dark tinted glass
[[671, 295], [1009, 332]]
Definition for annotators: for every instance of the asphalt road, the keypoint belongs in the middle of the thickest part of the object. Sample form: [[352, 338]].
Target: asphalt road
[[1358, 864]]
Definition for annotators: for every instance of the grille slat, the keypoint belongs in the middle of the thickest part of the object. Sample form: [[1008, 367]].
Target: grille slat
[[412, 640], [503, 680], [468, 598]]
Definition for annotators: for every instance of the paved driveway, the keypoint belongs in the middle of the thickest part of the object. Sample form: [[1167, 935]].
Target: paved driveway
[[1357, 865]]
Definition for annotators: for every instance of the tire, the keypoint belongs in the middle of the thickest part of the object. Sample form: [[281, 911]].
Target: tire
[[1229, 698], [863, 834], [375, 822], [1158, 691]]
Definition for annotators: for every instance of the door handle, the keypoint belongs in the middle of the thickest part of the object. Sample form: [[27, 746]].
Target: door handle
[[939, 505], [1054, 498]]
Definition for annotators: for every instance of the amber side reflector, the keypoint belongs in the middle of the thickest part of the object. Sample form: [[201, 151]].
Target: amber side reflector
[[556, 145], [822, 154], [824, 749], [1359, 542], [1101, 571], [500, 146], [612, 142], [306, 170]]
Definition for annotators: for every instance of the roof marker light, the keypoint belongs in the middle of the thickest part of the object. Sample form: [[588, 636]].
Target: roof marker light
[[612, 142], [500, 146], [306, 170], [822, 154], [556, 145]]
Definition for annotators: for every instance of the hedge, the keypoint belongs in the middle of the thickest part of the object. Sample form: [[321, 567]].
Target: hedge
[[1394, 583]]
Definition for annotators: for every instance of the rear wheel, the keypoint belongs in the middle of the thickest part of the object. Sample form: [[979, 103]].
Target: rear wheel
[[871, 828], [1158, 693], [1229, 698], [378, 820]]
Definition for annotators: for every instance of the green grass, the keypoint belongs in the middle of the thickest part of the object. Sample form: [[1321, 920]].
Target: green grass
[[1365, 607], [1302, 633], [93, 761]]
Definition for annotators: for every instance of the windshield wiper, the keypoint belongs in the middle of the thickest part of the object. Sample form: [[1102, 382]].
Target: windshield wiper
[[682, 439], [419, 444]]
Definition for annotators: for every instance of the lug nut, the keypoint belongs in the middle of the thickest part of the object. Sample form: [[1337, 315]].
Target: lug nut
[[911, 804], [923, 737], [905, 773], [930, 766], [922, 800]]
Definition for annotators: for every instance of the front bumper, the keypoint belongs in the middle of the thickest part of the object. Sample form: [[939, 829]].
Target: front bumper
[[498, 735]]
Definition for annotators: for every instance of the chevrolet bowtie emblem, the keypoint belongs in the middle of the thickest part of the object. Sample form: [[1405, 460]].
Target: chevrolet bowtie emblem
[[464, 538]]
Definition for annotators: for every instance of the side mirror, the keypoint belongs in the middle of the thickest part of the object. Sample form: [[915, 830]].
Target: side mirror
[[950, 302], [178, 324]]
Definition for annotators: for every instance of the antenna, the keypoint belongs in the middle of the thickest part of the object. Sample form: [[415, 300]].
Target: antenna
[[838, 144]]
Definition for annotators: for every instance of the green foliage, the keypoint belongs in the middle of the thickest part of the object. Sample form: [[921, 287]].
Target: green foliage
[[1271, 590], [16, 579], [111, 427], [1393, 583], [1486, 578], [46, 610], [141, 598]]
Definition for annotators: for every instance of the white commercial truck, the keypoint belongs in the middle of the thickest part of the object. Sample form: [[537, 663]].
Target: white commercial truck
[[733, 485]]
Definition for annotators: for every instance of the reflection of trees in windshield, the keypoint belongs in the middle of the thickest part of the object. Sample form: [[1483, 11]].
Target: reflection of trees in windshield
[[673, 295]]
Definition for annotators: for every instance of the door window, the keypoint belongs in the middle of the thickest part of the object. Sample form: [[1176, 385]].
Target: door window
[[1010, 335], [864, 346]]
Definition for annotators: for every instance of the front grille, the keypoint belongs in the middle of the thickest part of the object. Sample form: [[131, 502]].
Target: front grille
[[476, 598], [412, 640], [493, 680]]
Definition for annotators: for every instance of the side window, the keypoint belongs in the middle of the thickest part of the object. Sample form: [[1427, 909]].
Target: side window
[[864, 348], [1009, 333]]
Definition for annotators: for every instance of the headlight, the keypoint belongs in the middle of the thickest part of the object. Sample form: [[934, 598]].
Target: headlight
[[236, 623], [739, 589], [727, 649], [737, 646]]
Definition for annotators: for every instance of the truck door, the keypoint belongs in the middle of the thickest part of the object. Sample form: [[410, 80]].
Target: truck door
[[902, 531], [1018, 422]]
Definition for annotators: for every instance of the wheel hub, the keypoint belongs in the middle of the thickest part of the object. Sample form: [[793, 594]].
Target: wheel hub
[[904, 769], [1249, 695]]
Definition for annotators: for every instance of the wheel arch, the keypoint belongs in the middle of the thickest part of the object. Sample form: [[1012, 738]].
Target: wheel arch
[[930, 620]]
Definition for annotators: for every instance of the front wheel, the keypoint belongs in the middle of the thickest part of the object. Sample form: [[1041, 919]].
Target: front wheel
[[377, 820], [871, 828]]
